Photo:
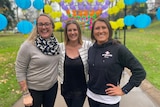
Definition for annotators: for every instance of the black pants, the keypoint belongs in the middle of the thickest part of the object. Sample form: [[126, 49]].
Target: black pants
[[45, 98], [93, 103], [75, 101]]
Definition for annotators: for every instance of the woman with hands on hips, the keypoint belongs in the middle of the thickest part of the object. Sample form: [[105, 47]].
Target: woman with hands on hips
[[37, 65], [107, 59]]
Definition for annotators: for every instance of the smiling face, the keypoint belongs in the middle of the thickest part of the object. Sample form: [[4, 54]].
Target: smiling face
[[72, 32], [44, 27], [101, 32]]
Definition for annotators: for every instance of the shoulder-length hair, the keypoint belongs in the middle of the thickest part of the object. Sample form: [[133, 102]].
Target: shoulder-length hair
[[34, 33], [66, 39]]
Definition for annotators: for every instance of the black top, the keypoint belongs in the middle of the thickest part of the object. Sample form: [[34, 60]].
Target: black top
[[74, 77], [106, 63]]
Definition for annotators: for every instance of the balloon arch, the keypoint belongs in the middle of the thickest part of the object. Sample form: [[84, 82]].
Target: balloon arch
[[84, 11]]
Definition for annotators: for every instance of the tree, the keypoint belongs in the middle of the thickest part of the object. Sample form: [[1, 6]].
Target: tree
[[6, 10]]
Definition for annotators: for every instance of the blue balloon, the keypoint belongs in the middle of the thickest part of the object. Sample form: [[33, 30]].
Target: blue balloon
[[129, 2], [142, 21], [24, 4], [3, 22], [141, 1], [24, 26], [38, 4], [129, 20], [158, 13]]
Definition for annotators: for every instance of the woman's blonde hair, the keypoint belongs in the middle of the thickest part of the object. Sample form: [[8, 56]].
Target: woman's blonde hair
[[34, 33], [66, 39]]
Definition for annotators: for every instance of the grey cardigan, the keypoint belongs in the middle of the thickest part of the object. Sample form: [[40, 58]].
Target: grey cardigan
[[83, 51]]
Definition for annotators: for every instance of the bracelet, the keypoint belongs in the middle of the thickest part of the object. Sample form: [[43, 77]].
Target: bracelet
[[25, 95], [26, 92]]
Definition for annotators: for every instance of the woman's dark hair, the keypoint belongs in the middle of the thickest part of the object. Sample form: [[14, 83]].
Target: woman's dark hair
[[108, 25], [106, 21]]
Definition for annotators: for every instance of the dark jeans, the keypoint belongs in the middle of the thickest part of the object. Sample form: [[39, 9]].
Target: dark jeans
[[75, 100], [93, 103], [45, 98]]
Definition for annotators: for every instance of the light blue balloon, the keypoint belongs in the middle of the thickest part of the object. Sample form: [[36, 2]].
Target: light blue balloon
[[129, 2], [24, 26], [141, 1], [142, 21], [24, 4], [158, 13], [129, 20], [3, 22], [38, 4]]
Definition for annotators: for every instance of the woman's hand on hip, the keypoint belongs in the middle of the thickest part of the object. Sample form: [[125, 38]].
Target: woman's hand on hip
[[114, 90]]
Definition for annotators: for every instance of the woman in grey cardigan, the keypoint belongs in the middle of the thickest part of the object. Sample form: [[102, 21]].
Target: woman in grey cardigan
[[37, 65], [73, 67]]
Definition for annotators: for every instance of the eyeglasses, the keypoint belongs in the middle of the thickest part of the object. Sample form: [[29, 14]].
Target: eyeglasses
[[47, 24]]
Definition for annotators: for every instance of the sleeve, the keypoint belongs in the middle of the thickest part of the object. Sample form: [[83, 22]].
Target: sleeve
[[61, 62], [128, 60], [22, 62]]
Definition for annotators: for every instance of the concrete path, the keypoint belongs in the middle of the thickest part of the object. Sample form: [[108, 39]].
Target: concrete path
[[136, 98]]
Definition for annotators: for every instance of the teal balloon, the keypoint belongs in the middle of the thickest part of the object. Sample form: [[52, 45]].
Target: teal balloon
[[24, 4], [3, 22], [142, 21], [141, 1], [158, 13], [24, 26], [129, 2], [129, 20], [38, 4]]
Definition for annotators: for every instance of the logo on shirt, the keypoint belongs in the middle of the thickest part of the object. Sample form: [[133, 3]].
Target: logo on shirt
[[107, 54]]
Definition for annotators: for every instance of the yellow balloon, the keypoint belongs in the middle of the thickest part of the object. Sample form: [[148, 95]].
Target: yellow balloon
[[68, 1], [115, 9], [58, 25], [58, 1], [110, 11], [53, 0], [100, 1], [59, 14], [47, 9], [121, 5], [113, 25], [53, 14], [90, 1], [79, 1], [120, 23]]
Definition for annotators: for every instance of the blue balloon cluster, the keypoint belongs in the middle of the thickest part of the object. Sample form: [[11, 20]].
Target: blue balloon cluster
[[3, 22], [24, 26], [140, 21], [25, 4]]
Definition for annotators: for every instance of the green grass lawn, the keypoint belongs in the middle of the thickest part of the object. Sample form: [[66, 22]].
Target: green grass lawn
[[144, 44]]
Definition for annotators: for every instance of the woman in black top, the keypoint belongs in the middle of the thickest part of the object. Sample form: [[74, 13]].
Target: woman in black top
[[107, 59]]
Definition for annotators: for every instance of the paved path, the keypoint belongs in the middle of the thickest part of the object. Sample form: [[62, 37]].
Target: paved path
[[136, 98]]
